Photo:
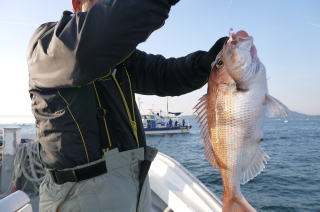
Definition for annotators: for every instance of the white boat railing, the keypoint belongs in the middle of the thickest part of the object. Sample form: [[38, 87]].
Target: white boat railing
[[16, 202], [179, 189], [11, 141]]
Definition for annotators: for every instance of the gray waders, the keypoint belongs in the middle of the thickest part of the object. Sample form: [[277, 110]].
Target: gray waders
[[123, 188]]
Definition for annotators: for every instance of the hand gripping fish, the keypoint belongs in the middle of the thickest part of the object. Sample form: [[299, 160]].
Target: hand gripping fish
[[231, 117]]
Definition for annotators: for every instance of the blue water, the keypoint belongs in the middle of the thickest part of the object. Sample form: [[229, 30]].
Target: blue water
[[291, 180]]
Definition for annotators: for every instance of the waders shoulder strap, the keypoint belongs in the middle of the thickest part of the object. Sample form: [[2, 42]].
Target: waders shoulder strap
[[132, 118]]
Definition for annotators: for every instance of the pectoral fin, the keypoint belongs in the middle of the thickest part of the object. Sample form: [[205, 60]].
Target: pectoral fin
[[274, 107]]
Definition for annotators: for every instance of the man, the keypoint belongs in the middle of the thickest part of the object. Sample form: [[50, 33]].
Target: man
[[84, 71]]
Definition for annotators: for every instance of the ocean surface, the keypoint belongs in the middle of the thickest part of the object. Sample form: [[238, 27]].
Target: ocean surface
[[291, 180]]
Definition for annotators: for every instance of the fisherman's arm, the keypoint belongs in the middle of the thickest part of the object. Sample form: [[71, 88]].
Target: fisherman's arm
[[156, 75], [83, 47]]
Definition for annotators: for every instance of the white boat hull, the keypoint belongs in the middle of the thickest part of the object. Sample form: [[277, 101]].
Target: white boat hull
[[165, 132], [179, 189]]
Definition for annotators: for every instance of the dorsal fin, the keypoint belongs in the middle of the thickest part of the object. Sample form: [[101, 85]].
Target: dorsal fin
[[201, 115]]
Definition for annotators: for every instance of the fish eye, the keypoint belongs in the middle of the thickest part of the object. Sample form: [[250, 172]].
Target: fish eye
[[219, 64]]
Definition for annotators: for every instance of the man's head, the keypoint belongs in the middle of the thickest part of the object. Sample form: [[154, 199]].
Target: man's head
[[83, 5]]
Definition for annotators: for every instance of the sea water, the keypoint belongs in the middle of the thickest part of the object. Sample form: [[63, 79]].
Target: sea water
[[289, 183]]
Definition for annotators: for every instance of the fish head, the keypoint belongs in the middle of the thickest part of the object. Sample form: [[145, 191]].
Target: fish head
[[239, 57]]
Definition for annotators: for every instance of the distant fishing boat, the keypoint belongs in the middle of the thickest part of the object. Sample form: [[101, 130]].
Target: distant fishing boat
[[156, 124]]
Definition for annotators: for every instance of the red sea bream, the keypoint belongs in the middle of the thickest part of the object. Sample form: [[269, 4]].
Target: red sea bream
[[231, 116]]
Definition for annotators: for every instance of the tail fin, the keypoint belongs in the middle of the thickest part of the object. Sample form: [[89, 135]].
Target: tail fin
[[237, 204]]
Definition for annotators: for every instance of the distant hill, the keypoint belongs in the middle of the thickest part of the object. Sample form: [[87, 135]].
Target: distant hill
[[292, 115]]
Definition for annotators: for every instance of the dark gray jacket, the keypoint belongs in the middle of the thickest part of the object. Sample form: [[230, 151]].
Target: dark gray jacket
[[84, 71]]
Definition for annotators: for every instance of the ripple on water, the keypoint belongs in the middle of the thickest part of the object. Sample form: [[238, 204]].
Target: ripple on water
[[275, 208]]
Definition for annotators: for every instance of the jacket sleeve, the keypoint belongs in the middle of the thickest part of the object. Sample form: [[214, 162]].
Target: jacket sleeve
[[156, 75], [84, 46]]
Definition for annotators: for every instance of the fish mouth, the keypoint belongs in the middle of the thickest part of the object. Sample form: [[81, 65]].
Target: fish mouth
[[240, 57], [242, 39], [239, 36]]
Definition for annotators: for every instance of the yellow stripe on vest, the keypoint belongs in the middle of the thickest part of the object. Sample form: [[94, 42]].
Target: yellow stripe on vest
[[132, 121], [75, 121]]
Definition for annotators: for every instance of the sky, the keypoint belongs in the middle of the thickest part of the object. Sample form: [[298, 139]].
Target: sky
[[286, 34]]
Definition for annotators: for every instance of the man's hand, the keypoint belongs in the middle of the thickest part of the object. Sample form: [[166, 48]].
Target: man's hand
[[216, 48], [207, 59], [173, 2]]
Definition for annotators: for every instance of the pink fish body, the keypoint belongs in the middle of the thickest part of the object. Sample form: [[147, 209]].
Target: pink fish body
[[231, 116]]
